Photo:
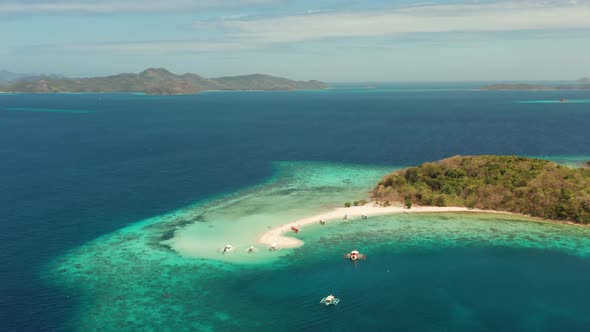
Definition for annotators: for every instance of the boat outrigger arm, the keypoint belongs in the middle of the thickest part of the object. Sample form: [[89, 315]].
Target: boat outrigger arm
[[330, 300], [354, 255]]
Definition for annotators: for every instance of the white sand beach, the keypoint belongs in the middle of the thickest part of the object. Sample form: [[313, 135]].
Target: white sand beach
[[279, 234]]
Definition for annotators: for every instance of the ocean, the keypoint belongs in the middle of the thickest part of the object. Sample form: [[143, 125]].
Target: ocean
[[91, 184]]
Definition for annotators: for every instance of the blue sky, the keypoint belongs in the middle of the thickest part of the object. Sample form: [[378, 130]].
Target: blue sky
[[330, 40]]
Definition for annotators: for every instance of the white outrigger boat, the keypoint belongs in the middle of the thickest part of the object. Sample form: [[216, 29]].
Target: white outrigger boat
[[227, 249], [273, 247], [330, 300], [251, 250], [354, 255]]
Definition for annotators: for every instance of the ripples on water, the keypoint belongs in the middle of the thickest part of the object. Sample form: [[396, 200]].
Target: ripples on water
[[70, 178], [424, 271]]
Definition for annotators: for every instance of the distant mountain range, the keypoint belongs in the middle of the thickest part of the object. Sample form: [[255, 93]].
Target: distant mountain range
[[7, 76], [156, 81], [580, 84]]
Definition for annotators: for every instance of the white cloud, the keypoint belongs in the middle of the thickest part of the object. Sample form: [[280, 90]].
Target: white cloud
[[114, 6], [422, 19], [163, 47], [241, 33]]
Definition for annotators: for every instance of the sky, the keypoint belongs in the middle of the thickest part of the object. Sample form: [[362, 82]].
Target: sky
[[329, 40]]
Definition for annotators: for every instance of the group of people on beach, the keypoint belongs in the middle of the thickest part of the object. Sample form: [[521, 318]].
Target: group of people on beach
[[363, 216]]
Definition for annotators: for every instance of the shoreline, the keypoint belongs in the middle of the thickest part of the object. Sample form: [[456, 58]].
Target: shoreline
[[276, 235]]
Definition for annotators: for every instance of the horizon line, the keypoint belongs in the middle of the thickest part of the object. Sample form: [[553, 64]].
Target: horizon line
[[33, 75]]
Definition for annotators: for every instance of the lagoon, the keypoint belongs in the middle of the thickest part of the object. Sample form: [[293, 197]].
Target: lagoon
[[90, 197]]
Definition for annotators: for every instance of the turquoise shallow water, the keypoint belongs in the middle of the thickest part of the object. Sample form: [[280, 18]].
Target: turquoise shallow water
[[569, 101], [571, 161], [425, 271], [298, 189], [103, 190]]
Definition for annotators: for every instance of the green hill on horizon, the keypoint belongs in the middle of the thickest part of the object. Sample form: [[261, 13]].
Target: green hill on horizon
[[157, 81]]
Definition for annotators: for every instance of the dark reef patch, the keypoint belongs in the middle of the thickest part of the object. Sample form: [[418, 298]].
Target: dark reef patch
[[168, 235]]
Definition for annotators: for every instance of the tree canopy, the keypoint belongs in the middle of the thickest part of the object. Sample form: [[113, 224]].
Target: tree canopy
[[528, 186]]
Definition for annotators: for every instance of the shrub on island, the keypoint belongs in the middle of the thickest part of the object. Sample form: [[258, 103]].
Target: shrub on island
[[408, 201], [529, 186]]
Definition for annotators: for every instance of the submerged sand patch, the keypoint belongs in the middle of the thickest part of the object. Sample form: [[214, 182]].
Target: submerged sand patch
[[127, 280]]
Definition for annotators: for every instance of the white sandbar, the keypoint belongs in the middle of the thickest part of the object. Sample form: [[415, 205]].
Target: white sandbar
[[277, 234]]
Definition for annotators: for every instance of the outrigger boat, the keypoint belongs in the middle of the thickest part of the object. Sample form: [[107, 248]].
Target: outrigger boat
[[322, 222], [295, 229], [251, 250], [330, 300], [354, 255], [273, 247], [227, 249]]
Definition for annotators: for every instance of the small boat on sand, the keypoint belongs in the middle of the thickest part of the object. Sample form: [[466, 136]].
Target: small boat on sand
[[330, 300], [355, 255], [227, 249], [251, 250], [322, 222], [273, 247], [295, 229]]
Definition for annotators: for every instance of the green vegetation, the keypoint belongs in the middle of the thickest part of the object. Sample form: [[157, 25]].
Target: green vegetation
[[156, 81], [528, 186], [408, 201], [347, 204], [265, 82], [359, 203]]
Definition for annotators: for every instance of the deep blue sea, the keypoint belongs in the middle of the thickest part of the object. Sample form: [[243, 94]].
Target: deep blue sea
[[77, 166]]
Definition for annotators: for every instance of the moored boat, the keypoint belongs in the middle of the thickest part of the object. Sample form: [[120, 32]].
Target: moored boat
[[355, 255], [227, 249], [330, 300]]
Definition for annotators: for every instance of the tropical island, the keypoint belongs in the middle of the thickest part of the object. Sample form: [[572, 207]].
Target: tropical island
[[526, 186], [481, 184], [580, 84], [158, 81]]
